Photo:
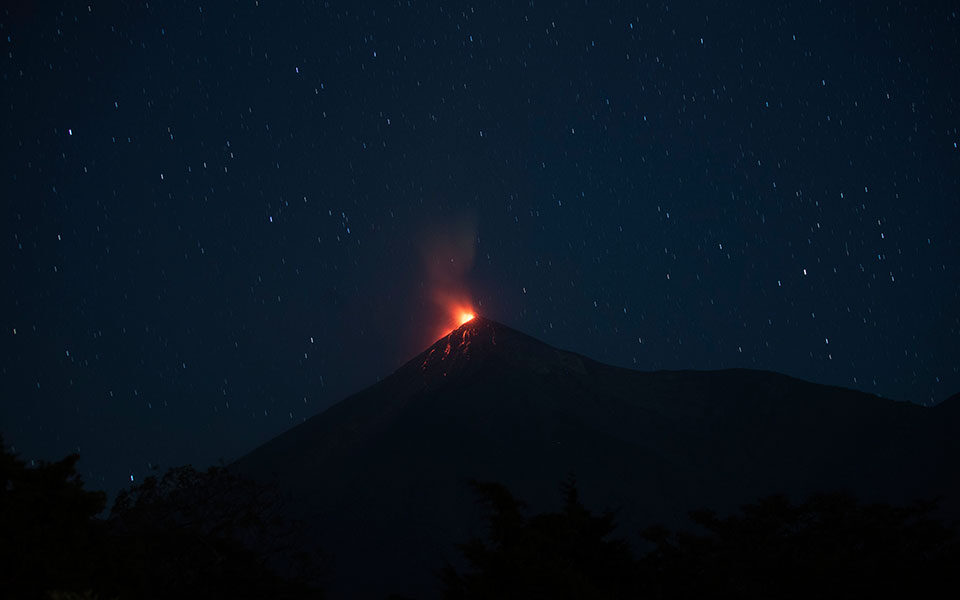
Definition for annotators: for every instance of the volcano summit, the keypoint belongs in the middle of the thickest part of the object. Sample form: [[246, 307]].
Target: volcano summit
[[380, 479]]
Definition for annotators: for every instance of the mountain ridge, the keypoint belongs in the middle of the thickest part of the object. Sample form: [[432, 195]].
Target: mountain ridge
[[387, 467]]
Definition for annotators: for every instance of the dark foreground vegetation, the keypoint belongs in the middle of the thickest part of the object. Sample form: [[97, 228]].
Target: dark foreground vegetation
[[186, 534], [829, 546], [191, 534]]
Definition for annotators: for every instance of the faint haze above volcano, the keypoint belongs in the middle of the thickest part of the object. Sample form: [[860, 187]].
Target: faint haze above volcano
[[447, 248]]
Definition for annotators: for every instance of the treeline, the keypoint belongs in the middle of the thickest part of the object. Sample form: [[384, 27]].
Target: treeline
[[829, 546], [211, 534], [185, 534]]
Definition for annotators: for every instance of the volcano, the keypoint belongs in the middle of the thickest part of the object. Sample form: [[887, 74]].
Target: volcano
[[380, 480]]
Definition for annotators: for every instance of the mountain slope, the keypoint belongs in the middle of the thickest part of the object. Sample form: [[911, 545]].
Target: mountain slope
[[380, 478]]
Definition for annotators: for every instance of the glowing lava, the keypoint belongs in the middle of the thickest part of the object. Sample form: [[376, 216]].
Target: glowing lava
[[460, 312], [454, 311]]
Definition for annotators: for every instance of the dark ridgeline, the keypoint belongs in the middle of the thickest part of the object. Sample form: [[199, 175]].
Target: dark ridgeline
[[381, 479]]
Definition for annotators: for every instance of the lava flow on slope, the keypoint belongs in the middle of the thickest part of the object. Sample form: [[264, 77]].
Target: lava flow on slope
[[452, 352]]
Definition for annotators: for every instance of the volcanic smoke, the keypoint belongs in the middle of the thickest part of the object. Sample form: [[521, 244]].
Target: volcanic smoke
[[448, 249]]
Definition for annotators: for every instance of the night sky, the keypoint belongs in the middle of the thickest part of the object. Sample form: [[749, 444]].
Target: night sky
[[220, 219]]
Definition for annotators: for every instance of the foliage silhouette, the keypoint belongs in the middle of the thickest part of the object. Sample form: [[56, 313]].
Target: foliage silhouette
[[46, 526], [210, 532], [554, 555], [187, 534], [829, 546]]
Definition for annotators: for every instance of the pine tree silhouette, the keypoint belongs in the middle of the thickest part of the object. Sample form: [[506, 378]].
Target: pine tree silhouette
[[566, 554]]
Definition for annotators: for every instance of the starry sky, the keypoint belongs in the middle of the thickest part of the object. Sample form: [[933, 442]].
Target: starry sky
[[220, 219]]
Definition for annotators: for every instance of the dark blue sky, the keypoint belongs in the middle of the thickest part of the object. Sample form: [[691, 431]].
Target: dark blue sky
[[220, 219]]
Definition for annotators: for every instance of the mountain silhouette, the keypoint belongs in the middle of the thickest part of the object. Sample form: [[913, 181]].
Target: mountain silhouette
[[380, 480]]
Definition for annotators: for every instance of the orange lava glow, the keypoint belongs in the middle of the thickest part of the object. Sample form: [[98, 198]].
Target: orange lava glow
[[450, 311], [459, 311], [456, 311]]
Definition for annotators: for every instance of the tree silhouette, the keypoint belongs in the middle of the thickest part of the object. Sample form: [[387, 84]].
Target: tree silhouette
[[46, 526], [827, 546], [210, 532], [186, 534], [213, 503], [566, 554]]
